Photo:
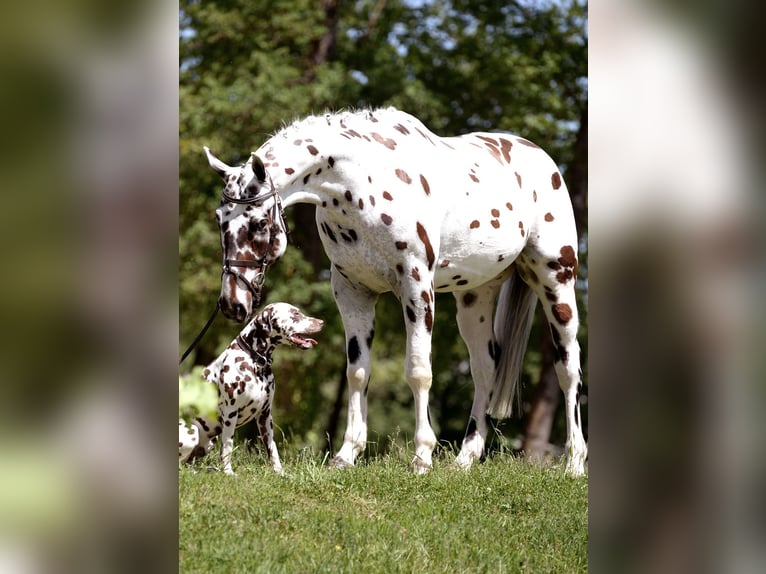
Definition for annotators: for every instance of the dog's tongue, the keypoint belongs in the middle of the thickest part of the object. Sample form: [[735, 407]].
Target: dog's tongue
[[303, 342]]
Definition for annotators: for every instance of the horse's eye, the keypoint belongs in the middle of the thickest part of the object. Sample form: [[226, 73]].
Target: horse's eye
[[262, 223]]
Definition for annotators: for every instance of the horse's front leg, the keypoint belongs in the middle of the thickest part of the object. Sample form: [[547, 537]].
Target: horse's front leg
[[357, 310], [418, 306]]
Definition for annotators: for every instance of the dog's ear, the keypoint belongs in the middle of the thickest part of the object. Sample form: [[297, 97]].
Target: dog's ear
[[262, 325], [266, 320]]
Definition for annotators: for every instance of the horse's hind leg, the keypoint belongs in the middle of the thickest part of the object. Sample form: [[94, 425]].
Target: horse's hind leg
[[553, 279], [357, 310], [474, 319]]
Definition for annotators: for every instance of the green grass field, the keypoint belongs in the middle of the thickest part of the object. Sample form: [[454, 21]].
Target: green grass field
[[501, 516]]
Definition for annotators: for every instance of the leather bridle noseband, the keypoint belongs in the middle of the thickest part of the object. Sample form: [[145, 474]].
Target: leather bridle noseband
[[259, 263]]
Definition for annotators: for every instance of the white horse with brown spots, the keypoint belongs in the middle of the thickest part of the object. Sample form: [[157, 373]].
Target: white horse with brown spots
[[484, 216]]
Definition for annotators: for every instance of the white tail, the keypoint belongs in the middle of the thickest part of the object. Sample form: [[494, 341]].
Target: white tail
[[513, 322]]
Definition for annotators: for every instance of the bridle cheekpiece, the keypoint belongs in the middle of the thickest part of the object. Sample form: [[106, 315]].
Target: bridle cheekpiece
[[260, 263]]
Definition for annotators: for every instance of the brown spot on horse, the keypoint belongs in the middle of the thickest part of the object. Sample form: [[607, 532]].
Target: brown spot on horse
[[424, 183], [403, 175], [562, 312], [423, 235]]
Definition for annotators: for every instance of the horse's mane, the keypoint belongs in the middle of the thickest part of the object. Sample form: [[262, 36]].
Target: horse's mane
[[347, 117]]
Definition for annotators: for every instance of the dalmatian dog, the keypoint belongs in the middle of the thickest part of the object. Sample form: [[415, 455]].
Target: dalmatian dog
[[246, 383], [189, 447]]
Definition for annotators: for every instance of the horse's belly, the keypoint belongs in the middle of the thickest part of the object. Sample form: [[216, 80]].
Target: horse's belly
[[481, 236], [459, 270], [362, 265]]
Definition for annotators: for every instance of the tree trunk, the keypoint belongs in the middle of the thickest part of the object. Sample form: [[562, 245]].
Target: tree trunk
[[305, 236], [325, 46], [304, 217], [546, 396], [545, 401]]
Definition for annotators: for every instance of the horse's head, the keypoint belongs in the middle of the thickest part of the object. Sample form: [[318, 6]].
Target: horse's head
[[253, 233]]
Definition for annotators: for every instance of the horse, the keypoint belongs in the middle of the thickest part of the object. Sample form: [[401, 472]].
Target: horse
[[484, 216]]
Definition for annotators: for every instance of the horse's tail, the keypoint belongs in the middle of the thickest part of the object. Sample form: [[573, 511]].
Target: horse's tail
[[513, 322]]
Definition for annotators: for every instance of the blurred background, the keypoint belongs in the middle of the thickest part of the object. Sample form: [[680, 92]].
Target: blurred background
[[108, 249]]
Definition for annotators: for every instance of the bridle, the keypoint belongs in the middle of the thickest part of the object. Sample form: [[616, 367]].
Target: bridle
[[259, 263]]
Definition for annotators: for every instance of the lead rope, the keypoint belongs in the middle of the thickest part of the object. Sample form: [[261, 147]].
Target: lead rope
[[201, 334]]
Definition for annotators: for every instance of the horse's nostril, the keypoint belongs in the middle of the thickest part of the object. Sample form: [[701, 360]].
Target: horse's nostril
[[239, 312], [223, 304]]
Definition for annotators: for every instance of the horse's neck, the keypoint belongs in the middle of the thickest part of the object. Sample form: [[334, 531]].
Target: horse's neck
[[291, 196], [300, 176]]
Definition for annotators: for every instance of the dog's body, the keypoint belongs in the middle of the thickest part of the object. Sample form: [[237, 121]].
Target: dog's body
[[246, 383]]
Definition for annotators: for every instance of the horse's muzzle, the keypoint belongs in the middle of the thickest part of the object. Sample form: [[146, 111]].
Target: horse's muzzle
[[234, 311]]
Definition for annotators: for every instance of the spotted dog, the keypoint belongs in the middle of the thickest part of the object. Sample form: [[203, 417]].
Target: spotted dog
[[246, 383]]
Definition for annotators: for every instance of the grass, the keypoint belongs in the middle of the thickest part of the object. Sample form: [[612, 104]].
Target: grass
[[504, 515]]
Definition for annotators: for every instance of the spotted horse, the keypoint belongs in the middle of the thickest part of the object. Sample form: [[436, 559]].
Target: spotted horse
[[485, 216]]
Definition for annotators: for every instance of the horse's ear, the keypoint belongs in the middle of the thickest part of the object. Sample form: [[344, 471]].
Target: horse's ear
[[258, 168], [218, 166]]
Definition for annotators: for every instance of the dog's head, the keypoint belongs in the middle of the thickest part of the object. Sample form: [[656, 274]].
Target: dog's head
[[284, 324], [277, 324]]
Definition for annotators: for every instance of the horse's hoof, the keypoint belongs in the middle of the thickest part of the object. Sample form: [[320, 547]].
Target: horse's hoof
[[462, 462], [338, 462], [458, 465], [575, 470], [575, 462], [418, 466]]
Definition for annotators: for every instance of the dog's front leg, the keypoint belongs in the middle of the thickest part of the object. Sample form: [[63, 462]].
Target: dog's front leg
[[227, 440], [266, 430]]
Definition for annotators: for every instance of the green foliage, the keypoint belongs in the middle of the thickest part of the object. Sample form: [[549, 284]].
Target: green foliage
[[501, 516], [196, 397], [248, 67]]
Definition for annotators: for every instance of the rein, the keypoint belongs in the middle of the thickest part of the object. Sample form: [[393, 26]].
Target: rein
[[260, 263]]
